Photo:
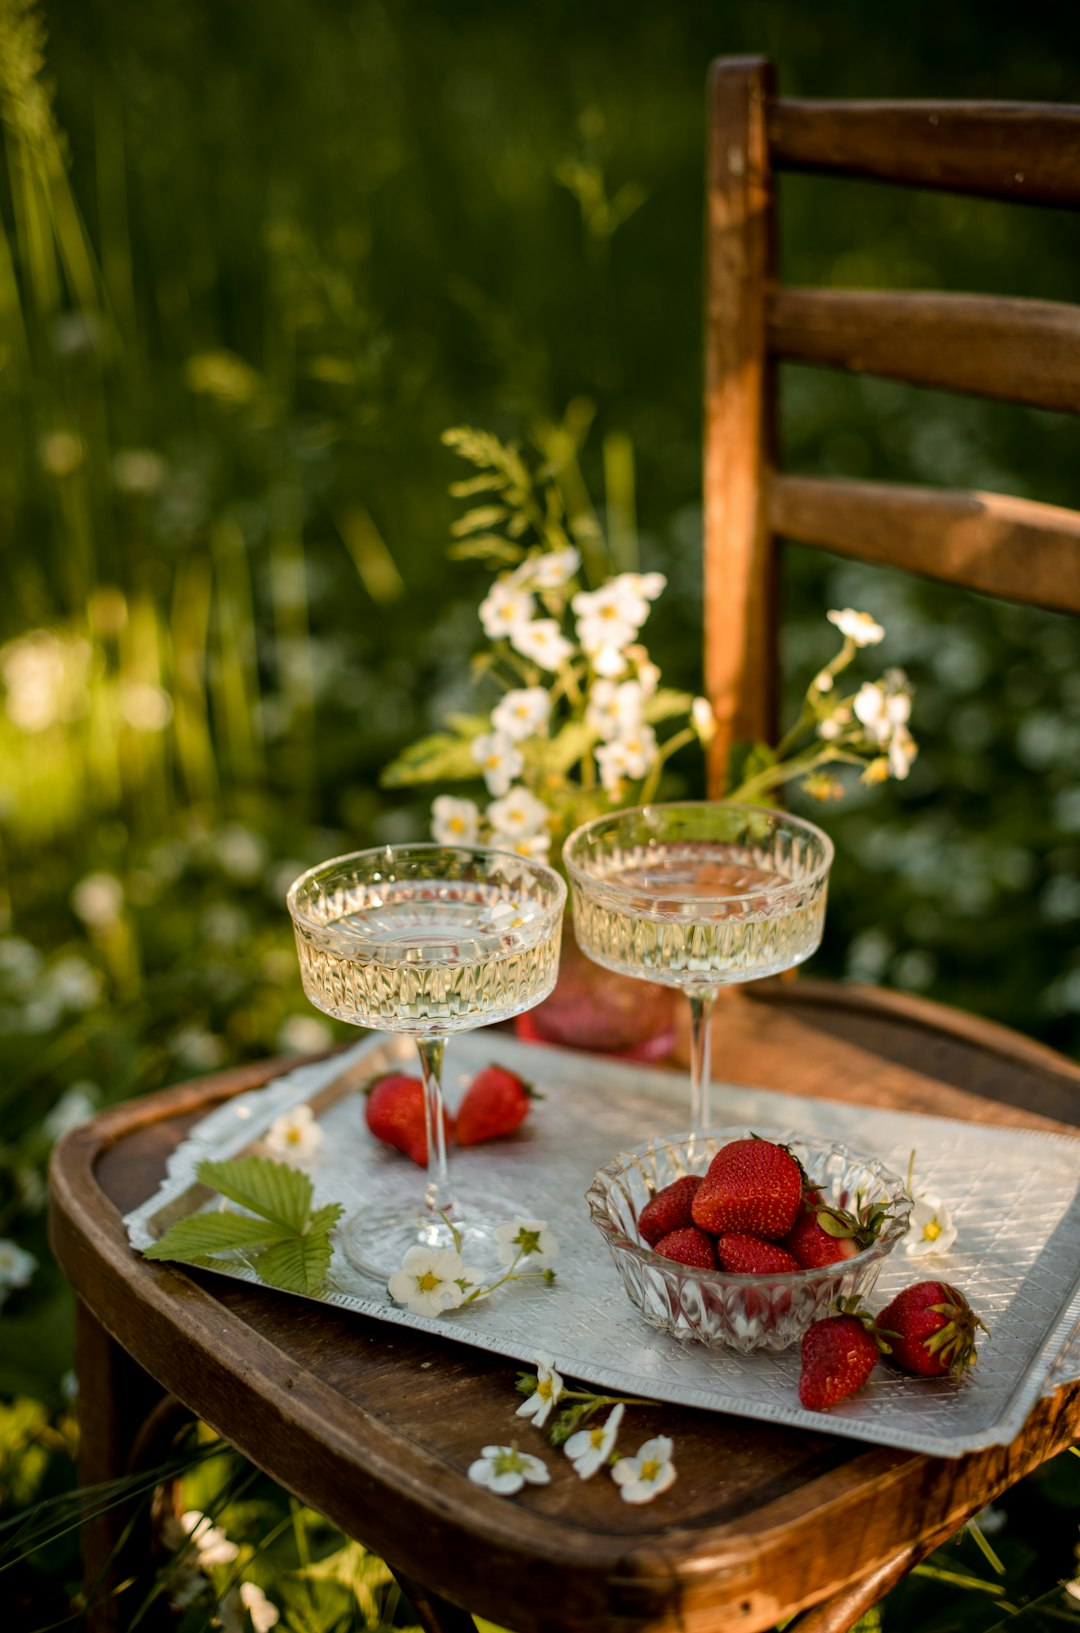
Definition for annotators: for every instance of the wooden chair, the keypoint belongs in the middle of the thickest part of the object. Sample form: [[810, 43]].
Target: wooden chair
[[375, 1427]]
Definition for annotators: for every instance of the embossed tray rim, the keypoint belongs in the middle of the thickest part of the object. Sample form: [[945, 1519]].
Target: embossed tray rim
[[240, 1122]]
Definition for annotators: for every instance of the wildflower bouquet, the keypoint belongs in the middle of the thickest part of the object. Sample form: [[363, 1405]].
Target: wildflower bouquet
[[582, 724]]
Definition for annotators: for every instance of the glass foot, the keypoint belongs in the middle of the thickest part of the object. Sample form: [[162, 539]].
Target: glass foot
[[375, 1240]]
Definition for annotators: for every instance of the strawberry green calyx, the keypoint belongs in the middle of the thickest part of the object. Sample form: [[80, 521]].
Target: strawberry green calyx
[[862, 1228], [954, 1343], [854, 1306]]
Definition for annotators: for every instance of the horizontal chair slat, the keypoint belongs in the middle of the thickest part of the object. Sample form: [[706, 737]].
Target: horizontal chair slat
[[1008, 150], [1015, 548], [1023, 350]]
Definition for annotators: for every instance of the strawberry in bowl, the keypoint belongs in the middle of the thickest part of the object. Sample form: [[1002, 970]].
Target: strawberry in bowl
[[797, 1222]]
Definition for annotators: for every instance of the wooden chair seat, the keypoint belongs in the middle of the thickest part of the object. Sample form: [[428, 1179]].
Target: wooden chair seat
[[375, 1426]]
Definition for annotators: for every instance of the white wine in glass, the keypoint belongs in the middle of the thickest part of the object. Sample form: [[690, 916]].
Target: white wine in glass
[[699, 895], [427, 940]]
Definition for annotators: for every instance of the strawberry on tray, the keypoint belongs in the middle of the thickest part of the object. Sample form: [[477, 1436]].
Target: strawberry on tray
[[495, 1104]]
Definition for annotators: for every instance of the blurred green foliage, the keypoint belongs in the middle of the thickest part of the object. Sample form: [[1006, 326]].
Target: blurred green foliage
[[253, 260]]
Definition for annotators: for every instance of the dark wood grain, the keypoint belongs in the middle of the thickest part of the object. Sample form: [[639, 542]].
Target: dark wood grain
[[1024, 351], [376, 1427], [1016, 548], [740, 661], [1007, 150]]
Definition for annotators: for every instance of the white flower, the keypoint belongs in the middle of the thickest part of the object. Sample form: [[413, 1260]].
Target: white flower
[[703, 720], [209, 1545], [504, 1470], [431, 1280], [609, 661], [902, 751], [498, 759], [454, 821], [98, 900], [505, 608], [823, 682], [535, 846], [16, 1267], [630, 755], [522, 713], [931, 1229], [835, 725], [239, 852], [529, 1237], [549, 571], [645, 1476], [648, 673], [74, 1106], [881, 708], [858, 627], [518, 814], [72, 983], [304, 1035], [250, 1599], [611, 616], [294, 1134], [589, 1449], [615, 710], [648, 585], [545, 1396], [543, 642]]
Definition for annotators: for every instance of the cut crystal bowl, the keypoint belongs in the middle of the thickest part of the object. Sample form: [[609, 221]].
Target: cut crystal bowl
[[745, 1313]]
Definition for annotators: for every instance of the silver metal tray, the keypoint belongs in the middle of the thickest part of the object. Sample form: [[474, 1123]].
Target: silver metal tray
[[1015, 1196]]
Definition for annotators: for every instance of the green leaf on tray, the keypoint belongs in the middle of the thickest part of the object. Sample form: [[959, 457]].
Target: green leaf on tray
[[220, 1232], [271, 1189], [286, 1243]]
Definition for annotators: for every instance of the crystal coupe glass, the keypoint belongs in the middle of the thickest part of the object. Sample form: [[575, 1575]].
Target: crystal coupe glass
[[699, 895], [427, 940]]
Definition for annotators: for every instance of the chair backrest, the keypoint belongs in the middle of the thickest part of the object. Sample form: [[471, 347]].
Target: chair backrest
[[1026, 351]]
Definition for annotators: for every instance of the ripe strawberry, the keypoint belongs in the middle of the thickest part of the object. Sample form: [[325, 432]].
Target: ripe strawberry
[[750, 1256], [689, 1246], [931, 1330], [838, 1355], [752, 1186], [823, 1235], [496, 1102], [669, 1209], [395, 1114]]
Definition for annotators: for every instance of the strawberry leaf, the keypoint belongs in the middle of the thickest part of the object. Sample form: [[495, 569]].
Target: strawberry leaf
[[271, 1189], [299, 1265], [208, 1233]]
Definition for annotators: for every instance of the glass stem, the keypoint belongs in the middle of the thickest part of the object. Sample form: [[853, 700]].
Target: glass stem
[[431, 1052], [701, 1011]]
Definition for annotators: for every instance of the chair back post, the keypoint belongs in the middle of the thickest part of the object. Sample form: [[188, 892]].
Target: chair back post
[[739, 569]]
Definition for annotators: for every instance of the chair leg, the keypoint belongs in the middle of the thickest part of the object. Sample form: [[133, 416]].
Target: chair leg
[[115, 1398], [840, 1613], [434, 1613]]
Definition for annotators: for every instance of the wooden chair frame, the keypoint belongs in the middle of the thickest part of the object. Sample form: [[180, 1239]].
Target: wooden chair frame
[[1025, 351]]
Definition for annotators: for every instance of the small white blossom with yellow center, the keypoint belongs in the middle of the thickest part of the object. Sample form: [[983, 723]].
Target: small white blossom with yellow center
[[517, 815], [549, 571], [650, 586], [454, 821], [645, 1476], [504, 1470], [499, 759], [610, 617], [614, 710], [294, 1134], [590, 1449], [534, 846], [884, 706], [529, 1238], [609, 662], [630, 755], [545, 1397], [432, 1279], [858, 627], [931, 1229], [543, 642], [522, 713], [505, 608]]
